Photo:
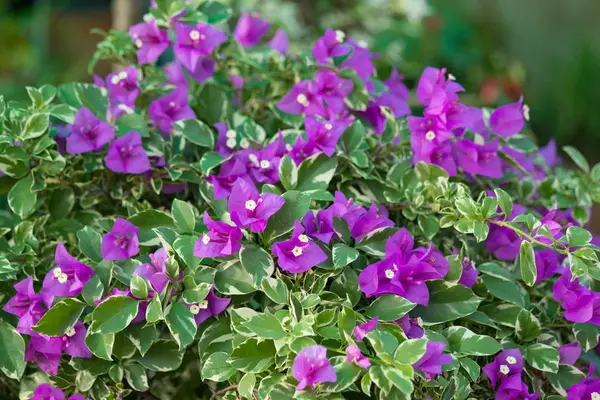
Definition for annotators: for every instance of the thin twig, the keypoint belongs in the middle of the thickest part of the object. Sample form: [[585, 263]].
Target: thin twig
[[221, 391]]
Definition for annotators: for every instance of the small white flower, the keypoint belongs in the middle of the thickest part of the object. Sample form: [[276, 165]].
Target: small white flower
[[231, 142], [63, 278], [526, 116], [451, 77], [195, 309], [205, 239], [115, 80], [194, 35], [340, 36], [70, 332], [203, 305], [511, 360], [244, 144], [288, 147], [362, 43], [57, 272], [123, 75], [303, 238], [389, 274], [139, 44], [504, 369], [253, 159], [231, 134], [264, 164], [595, 396], [250, 205], [430, 135], [297, 251], [302, 99]]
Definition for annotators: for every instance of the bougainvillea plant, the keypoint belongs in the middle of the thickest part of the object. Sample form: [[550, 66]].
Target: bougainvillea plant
[[246, 222]]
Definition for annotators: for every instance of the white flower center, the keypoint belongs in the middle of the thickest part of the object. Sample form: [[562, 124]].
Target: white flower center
[[70, 332], [362, 43], [195, 309], [504, 369], [526, 116], [230, 134], [288, 147], [265, 164], [62, 278], [253, 159], [115, 80], [231, 143], [244, 144], [328, 126], [205, 239], [340, 36], [511, 360], [203, 305], [595, 396], [302, 99], [297, 251], [57, 272], [194, 35], [430, 135], [139, 43], [451, 77], [389, 273], [303, 238], [123, 75], [250, 205]]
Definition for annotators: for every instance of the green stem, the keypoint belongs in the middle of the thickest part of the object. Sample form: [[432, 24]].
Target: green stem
[[520, 232]]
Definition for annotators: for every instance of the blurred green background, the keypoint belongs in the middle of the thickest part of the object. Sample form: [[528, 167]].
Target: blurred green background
[[547, 49]]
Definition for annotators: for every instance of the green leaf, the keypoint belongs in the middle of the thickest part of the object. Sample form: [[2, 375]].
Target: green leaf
[[275, 289], [196, 294], [21, 198], [114, 314], [252, 355], [36, 126], [265, 326], [196, 132], [447, 302], [288, 173], [142, 337], [181, 323], [295, 207], [343, 255], [216, 367], [164, 355], [374, 242], [577, 236], [232, 279], [462, 340], [346, 374], [60, 317], [566, 377], [587, 335], [257, 262], [353, 137], [154, 312], [7, 271], [577, 158], [183, 214], [400, 378], [389, 307], [467, 207], [542, 357], [132, 122], [527, 263], [410, 351], [61, 203], [150, 219], [246, 386], [252, 131], [316, 172], [12, 351], [528, 326], [64, 112], [184, 247], [136, 377], [100, 345], [138, 287], [89, 243], [472, 368], [210, 160]]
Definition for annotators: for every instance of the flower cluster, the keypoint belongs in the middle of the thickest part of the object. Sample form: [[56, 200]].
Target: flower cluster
[[505, 373]]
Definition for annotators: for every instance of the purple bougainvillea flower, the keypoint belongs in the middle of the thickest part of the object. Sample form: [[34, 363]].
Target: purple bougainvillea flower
[[369, 222], [431, 362], [325, 134], [549, 153], [156, 271], [469, 273], [427, 133], [45, 391], [226, 139], [221, 240], [360, 60], [432, 81], [503, 243], [169, 109], [507, 363], [332, 89], [513, 387], [509, 119], [569, 353], [150, 41], [547, 264], [48, 362], [175, 74], [586, 389], [311, 366], [121, 242], [250, 29], [229, 172], [26, 305], [479, 159], [320, 225], [361, 330], [212, 305], [577, 300], [127, 155], [263, 164], [67, 278], [299, 253], [442, 156], [302, 99], [194, 43], [354, 356], [411, 326], [77, 397], [72, 343], [123, 86], [330, 45], [280, 42], [248, 208], [205, 68], [553, 225], [396, 86], [88, 133]]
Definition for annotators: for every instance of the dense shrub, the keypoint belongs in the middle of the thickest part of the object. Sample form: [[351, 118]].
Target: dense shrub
[[247, 222]]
